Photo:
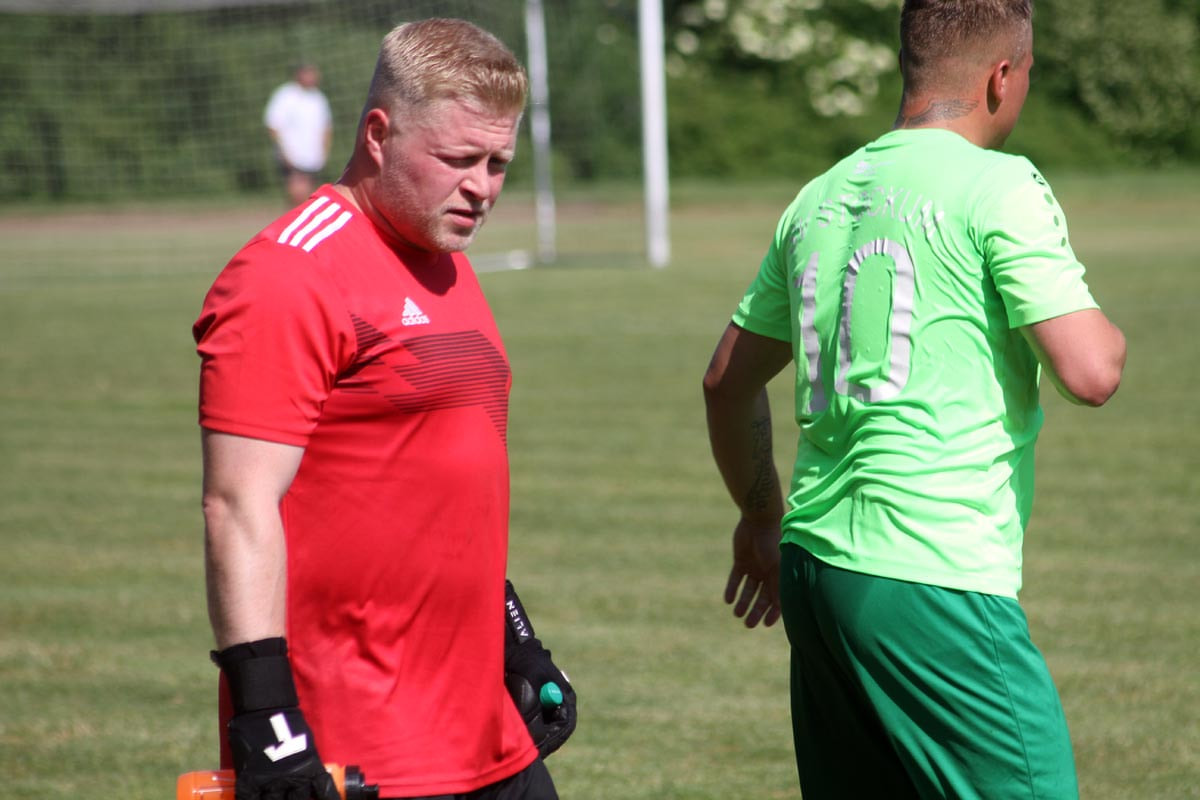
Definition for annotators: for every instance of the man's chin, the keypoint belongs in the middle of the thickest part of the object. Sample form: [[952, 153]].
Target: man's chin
[[457, 238]]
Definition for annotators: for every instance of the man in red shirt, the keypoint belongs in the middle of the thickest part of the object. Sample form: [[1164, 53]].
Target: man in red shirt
[[353, 404]]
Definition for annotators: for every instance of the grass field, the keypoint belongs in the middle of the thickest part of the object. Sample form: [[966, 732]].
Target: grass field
[[620, 524]]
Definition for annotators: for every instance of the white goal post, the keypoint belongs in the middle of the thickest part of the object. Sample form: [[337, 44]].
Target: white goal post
[[654, 131]]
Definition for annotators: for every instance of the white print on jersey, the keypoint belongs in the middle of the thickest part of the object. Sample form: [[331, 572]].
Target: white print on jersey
[[289, 744], [307, 233], [899, 326], [413, 315]]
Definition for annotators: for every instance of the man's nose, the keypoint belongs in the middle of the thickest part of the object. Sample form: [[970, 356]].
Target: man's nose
[[477, 180]]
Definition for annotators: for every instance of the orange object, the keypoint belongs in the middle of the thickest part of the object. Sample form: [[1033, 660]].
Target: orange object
[[218, 784], [212, 784]]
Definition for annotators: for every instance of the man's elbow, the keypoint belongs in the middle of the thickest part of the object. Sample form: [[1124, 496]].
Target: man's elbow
[[225, 512], [1095, 386], [711, 384], [1096, 390], [719, 390], [217, 510]]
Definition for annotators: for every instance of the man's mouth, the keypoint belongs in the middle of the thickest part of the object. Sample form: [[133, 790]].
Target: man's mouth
[[465, 216]]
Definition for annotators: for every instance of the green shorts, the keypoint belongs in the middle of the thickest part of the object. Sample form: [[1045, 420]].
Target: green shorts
[[906, 690]]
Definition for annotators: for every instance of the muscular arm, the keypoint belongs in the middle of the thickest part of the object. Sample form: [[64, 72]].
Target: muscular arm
[[739, 430], [245, 550], [1082, 353], [739, 418]]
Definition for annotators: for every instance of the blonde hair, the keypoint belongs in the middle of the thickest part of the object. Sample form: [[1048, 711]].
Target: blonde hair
[[935, 33], [424, 62]]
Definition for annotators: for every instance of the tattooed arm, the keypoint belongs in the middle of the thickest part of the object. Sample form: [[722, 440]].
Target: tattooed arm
[[739, 430]]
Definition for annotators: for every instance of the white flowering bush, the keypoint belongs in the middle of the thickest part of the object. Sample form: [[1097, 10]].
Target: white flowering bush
[[782, 79], [840, 65]]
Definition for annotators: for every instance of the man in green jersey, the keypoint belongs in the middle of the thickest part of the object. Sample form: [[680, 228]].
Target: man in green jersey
[[919, 286]]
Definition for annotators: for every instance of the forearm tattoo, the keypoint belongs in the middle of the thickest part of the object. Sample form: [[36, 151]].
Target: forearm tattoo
[[761, 453], [936, 111]]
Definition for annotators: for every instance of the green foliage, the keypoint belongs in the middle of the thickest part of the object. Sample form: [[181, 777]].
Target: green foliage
[[1058, 136], [829, 56], [115, 107], [1114, 83], [125, 106], [748, 124], [1132, 67], [594, 89], [106, 106]]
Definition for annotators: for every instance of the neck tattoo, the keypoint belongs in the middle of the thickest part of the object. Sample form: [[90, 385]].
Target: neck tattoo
[[936, 111]]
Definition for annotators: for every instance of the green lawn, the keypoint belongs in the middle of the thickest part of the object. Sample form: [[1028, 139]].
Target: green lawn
[[619, 524]]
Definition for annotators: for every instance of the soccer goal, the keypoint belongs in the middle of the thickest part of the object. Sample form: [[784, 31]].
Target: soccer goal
[[121, 101]]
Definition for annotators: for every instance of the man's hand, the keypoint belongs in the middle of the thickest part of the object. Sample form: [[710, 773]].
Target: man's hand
[[540, 690], [274, 757], [274, 754], [756, 562], [549, 727]]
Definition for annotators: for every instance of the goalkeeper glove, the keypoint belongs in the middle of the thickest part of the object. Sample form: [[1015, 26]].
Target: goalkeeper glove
[[274, 754], [543, 695]]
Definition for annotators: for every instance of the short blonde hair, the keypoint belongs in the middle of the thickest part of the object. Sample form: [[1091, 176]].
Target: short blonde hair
[[934, 33], [430, 60]]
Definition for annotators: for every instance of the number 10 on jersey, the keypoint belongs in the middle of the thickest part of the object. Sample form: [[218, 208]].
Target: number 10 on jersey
[[897, 331]]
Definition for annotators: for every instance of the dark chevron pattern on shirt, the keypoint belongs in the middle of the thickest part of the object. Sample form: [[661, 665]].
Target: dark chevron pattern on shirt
[[451, 370]]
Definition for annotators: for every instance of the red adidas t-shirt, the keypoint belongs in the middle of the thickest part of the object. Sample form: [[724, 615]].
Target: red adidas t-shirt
[[395, 382]]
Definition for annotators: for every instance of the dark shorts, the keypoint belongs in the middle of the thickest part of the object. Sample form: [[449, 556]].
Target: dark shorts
[[287, 170], [903, 690], [531, 783]]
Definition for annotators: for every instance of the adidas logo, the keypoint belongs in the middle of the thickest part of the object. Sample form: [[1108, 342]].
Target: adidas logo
[[413, 315]]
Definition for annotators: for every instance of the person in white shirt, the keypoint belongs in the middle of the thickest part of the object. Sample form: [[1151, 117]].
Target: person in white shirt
[[301, 126]]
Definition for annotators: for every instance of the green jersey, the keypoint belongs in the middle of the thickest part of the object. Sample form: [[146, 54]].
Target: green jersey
[[900, 278]]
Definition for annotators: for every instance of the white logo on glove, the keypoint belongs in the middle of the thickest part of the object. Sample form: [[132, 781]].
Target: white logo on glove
[[289, 744]]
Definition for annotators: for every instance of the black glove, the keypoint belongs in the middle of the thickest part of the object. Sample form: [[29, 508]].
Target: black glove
[[274, 754], [532, 679]]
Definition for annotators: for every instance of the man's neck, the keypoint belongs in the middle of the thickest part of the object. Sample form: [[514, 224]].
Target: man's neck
[[962, 115], [357, 194]]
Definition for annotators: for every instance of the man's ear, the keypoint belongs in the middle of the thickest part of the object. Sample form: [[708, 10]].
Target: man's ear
[[997, 85], [376, 129]]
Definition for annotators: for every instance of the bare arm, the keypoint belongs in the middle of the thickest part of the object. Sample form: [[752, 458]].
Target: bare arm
[[739, 422], [739, 430], [245, 550], [1082, 353]]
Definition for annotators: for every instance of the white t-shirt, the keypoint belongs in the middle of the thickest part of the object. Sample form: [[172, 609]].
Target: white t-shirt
[[300, 118]]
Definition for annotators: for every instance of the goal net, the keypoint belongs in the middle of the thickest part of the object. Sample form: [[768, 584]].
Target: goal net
[[118, 102]]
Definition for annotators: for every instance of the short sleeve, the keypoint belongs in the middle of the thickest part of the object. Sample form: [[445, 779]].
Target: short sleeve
[[765, 309], [1026, 247], [272, 340]]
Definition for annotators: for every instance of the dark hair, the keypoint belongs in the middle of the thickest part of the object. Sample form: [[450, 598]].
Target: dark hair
[[935, 32]]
